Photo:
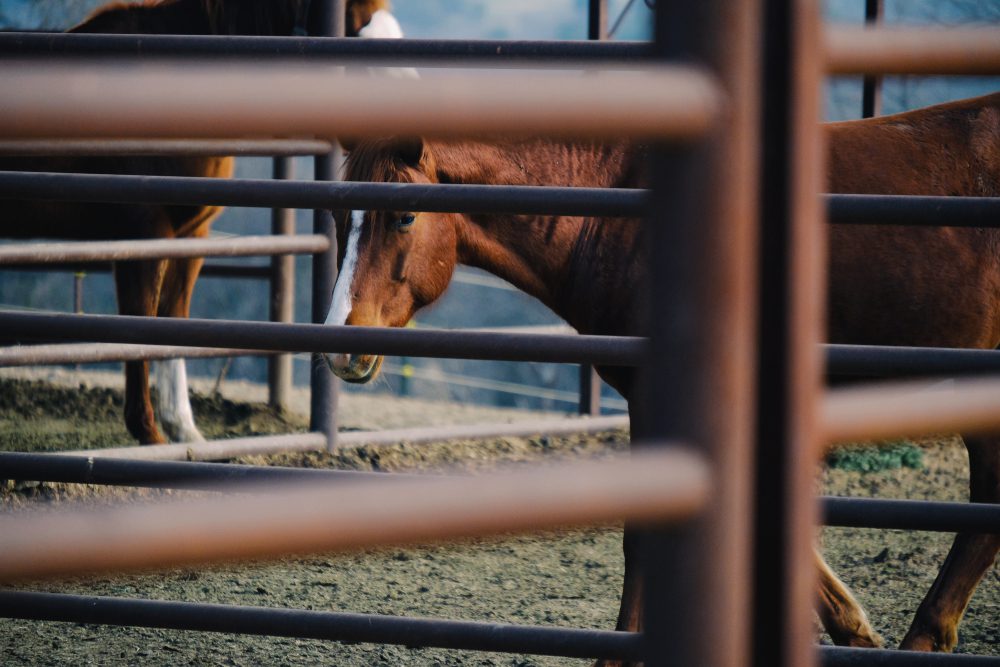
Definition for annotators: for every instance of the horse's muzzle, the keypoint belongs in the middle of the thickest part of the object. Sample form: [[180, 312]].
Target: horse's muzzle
[[355, 368]]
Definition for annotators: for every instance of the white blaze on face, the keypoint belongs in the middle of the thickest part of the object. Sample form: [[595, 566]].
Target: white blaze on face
[[340, 305]]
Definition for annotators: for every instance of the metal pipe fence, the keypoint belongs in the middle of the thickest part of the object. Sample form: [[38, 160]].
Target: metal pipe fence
[[655, 490], [453, 198]]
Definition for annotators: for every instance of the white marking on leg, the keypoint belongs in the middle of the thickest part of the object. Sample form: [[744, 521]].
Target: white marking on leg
[[173, 401], [340, 305]]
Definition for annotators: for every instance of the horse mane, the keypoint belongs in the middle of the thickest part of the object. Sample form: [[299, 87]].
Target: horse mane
[[228, 17], [381, 160]]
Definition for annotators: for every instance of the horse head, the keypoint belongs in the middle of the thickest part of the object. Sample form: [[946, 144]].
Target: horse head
[[391, 263]]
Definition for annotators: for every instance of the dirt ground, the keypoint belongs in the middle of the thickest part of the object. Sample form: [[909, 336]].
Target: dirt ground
[[564, 578]]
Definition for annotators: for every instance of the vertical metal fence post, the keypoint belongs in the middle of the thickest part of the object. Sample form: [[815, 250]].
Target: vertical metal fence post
[[792, 261], [697, 385], [279, 367], [871, 91], [324, 387], [597, 19], [590, 382]]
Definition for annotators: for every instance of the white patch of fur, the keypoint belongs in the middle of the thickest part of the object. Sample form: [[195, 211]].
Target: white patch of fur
[[384, 25], [340, 305], [173, 402]]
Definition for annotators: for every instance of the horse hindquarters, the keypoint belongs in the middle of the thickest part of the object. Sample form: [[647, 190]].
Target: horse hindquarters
[[935, 625]]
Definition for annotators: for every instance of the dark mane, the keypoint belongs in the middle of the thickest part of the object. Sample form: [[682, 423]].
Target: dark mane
[[257, 17], [378, 160], [217, 17]]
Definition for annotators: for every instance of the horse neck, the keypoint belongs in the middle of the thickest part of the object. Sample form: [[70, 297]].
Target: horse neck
[[576, 266]]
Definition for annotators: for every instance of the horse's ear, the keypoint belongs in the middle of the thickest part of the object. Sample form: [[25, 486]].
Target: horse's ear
[[410, 150], [348, 143]]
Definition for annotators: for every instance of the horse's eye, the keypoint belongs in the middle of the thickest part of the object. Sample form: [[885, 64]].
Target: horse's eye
[[405, 222]]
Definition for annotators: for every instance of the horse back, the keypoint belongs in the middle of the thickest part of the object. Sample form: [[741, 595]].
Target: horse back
[[929, 286]]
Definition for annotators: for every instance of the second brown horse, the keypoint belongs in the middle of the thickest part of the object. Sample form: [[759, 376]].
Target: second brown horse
[[888, 285], [161, 287]]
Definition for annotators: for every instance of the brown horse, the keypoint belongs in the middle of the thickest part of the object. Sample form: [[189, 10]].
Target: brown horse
[[160, 287], [888, 285]]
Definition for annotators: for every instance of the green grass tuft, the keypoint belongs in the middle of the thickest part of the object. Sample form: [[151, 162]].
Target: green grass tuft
[[875, 458]]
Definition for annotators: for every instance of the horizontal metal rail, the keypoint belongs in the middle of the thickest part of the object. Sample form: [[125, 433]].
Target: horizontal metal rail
[[911, 210], [219, 450], [467, 53], [600, 202], [186, 147], [104, 251], [842, 360], [415, 632], [658, 486], [337, 195], [877, 361], [601, 350], [892, 410], [215, 450], [252, 272], [167, 474], [841, 656], [911, 515], [79, 469], [910, 50], [99, 353], [208, 99]]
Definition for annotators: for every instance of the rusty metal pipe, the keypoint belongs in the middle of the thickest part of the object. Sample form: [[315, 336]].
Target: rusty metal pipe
[[113, 251]]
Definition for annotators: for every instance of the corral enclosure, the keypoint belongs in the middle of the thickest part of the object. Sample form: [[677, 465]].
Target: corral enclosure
[[569, 578], [535, 386]]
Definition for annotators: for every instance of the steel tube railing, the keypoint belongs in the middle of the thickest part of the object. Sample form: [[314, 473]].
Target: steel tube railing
[[926, 515], [597, 202], [97, 353], [220, 450], [450, 52], [911, 210], [253, 272], [842, 656], [79, 469], [876, 361], [105, 251], [608, 350], [910, 50], [185, 147], [213, 100], [842, 360], [892, 410], [322, 195], [167, 474], [655, 487], [213, 450], [422, 632], [261, 337]]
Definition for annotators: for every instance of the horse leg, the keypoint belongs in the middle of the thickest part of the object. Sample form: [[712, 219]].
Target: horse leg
[[173, 403], [935, 626], [841, 615], [138, 288], [630, 612]]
